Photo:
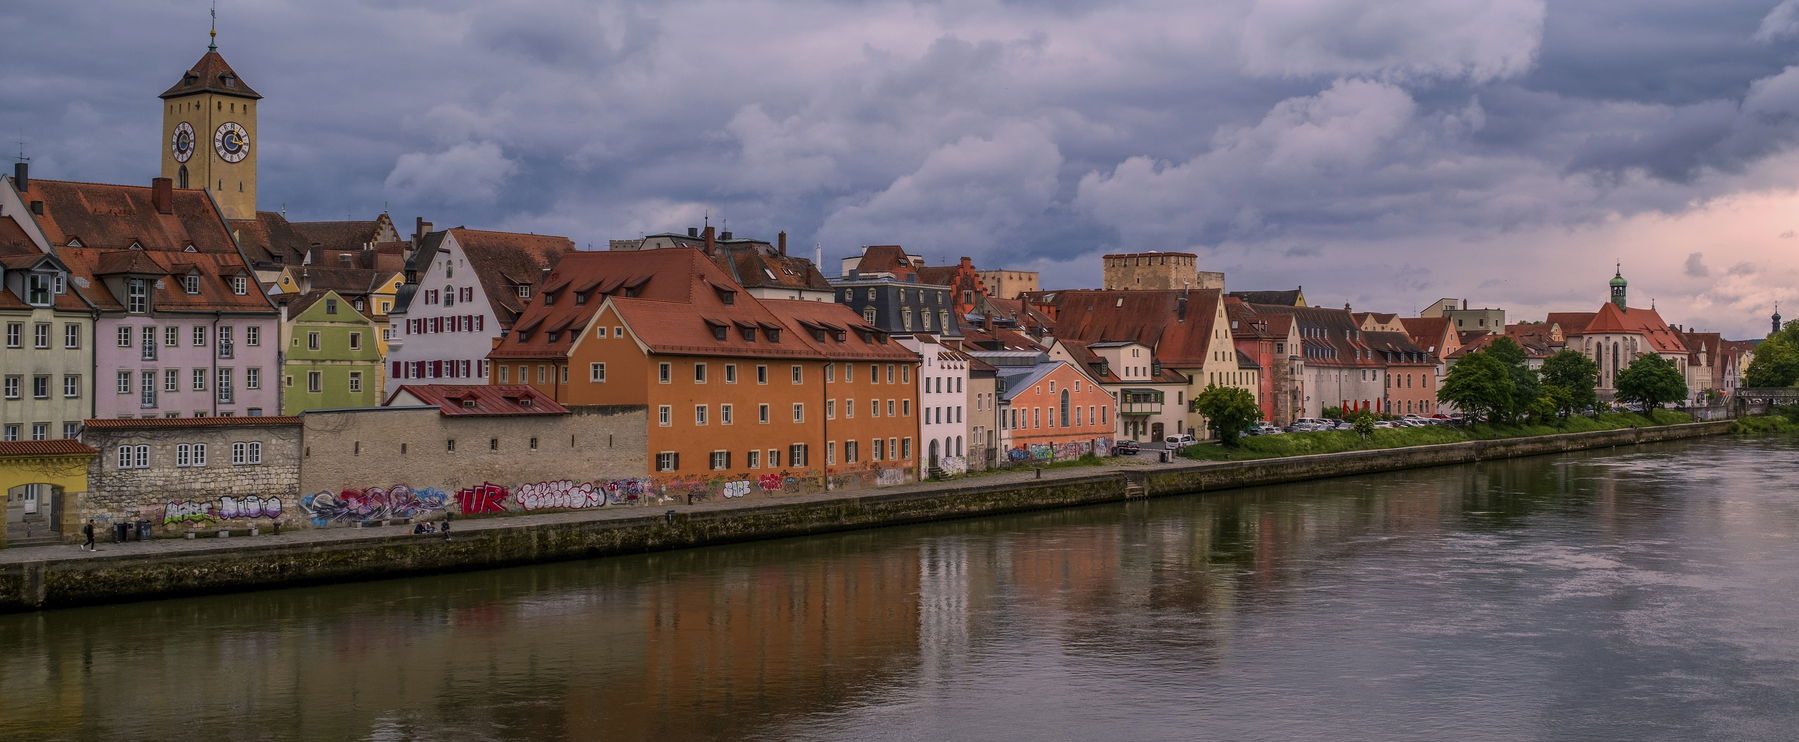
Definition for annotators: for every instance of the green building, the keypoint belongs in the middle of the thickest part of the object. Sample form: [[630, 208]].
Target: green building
[[333, 354]]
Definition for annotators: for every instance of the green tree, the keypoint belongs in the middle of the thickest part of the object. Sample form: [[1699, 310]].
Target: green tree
[[1575, 376], [1332, 413], [1228, 410], [1651, 381], [1479, 385], [1524, 379], [1363, 421], [1776, 361]]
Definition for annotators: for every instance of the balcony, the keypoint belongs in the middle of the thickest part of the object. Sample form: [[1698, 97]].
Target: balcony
[[225, 395], [1140, 402]]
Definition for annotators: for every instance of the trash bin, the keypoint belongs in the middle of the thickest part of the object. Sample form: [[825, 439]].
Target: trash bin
[[121, 532], [143, 531], [1162, 455]]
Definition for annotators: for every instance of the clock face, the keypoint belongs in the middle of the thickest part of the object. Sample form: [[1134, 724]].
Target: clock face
[[231, 142], [182, 142]]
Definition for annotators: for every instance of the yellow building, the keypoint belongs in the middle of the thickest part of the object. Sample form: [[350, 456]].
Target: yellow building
[[38, 478], [209, 135]]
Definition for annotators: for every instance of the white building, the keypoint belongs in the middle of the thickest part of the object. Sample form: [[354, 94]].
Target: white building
[[943, 421], [464, 288]]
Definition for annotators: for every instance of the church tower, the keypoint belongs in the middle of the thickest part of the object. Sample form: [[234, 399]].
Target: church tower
[[209, 134], [1618, 286]]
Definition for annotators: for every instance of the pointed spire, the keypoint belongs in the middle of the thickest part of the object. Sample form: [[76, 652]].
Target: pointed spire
[[213, 44]]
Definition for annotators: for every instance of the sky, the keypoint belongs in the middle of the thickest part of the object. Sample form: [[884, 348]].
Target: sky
[[1378, 154]]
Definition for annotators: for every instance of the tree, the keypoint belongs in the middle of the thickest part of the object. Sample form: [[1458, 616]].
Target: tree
[[1524, 379], [1479, 385], [1228, 410], [1574, 376], [1776, 362], [1651, 381], [1363, 422], [1332, 413]]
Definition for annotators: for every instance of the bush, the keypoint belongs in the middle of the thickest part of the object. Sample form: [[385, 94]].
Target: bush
[[1339, 441], [1764, 424]]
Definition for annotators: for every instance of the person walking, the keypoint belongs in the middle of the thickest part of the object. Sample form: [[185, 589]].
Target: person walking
[[88, 532]]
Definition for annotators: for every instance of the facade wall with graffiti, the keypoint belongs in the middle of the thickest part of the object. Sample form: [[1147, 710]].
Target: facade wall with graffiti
[[202, 474], [1027, 453], [694, 488]]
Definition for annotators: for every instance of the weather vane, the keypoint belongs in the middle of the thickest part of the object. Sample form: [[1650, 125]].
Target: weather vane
[[213, 46]]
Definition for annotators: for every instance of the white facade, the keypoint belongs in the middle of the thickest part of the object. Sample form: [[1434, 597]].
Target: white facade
[[443, 335], [943, 420]]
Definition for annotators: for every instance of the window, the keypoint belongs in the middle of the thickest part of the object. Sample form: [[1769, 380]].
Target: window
[[699, 414], [134, 457], [15, 335], [184, 455], [199, 336], [171, 336], [199, 380], [124, 382], [312, 341], [699, 373], [664, 373], [137, 295], [246, 453], [253, 380], [799, 412], [724, 414], [668, 461], [663, 415], [355, 382], [191, 283], [12, 385], [125, 336], [314, 382], [596, 373], [37, 289], [71, 430], [730, 373], [753, 459], [874, 408], [906, 448], [761, 374], [796, 456], [849, 452], [890, 408], [355, 341], [12, 433], [450, 445], [799, 375], [906, 407], [869, 315], [880, 448], [147, 389], [505, 374], [40, 336], [331, 306], [171, 380], [240, 285], [71, 386], [721, 460], [762, 414]]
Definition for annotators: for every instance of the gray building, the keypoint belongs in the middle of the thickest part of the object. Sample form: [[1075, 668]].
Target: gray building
[[899, 306]]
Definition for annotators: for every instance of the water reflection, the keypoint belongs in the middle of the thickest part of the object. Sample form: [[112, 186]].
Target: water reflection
[[1635, 595]]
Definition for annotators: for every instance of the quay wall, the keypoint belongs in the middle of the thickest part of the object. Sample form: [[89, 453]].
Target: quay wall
[[250, 565]]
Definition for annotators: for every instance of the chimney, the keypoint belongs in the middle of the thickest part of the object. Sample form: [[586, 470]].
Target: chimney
[[711, 241], [1464, 304], [987, 322], [725, 235], [420, 228], [162, 195], [781, 241], [21, 176], [693, 231]]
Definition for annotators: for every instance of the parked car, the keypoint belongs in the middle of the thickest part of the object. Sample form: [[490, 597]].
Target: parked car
[[1264, 428], [1125, 448], [1386, 424], [1178, 442]]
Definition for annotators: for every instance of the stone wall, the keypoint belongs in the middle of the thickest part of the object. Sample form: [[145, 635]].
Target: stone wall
[[177, 498], [399, 462]]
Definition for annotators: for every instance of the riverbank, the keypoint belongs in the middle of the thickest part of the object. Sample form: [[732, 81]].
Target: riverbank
[[1341, 441], [61, 576]]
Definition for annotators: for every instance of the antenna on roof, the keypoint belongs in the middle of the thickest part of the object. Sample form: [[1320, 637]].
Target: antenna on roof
[[213, 46], [708, 219], [22, 157]]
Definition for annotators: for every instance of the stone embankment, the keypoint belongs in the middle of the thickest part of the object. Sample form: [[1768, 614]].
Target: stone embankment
[[52, 577]]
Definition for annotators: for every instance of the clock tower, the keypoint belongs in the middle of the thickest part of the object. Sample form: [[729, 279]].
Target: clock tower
[[209, 134]]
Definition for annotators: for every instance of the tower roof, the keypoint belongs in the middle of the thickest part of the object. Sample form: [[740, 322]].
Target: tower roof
[[211, 75], [1618, 277]]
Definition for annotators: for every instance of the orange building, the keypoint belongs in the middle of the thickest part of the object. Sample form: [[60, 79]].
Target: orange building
[[1050, 410], [745, 395]]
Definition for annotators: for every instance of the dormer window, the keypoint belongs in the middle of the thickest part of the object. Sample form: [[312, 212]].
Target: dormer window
[[549, 297], [551, 337], [75, 243], [137, 295], [136, 246], [240, 285], [580, 299], [524, 291], [61, 283], [524, 401], [190, 248], [748, 333], [191, 283], [468, 404], [774, 335], [718, 333], [38, 289], [728, 298]]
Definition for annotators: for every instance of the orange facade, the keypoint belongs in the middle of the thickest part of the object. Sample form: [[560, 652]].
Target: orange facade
[[1062, 412], [1411, 389]]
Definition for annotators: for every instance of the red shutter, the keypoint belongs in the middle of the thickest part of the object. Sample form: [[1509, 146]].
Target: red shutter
[[437, 369], [396, 369], [479, 321]]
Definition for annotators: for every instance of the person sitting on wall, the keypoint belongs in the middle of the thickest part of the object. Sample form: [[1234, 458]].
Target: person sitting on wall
[[418, 529]]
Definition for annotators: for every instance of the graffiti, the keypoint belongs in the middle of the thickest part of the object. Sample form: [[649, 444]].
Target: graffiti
[[737, 488], [891, 477], [372, 504], [952, 465], [625, 491], [561, 493], [771, 482], [226, 508], [487, 498]]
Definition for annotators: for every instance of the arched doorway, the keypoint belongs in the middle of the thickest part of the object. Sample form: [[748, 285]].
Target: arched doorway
[[31, 510], [933, 458]]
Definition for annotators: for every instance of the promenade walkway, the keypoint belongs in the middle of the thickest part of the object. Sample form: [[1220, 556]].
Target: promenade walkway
[[466, 526]]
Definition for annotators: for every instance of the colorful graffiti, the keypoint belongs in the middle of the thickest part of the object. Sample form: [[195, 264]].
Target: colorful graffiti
[[625, 491], [891, 477], [1064, 451], [773, 482], [225, 508], [737, 488], [562, 493], [487, 498], [952, 465], [373, 504]]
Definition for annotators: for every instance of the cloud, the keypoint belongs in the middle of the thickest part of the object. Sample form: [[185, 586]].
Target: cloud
[[464, 173], [1782, 22], [1398, 39], [1695, 266]]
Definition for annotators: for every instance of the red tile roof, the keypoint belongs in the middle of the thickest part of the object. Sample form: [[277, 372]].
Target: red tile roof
[[351, 235], [1573, 323], [886, 259], [108, 423], [1429, 333], [210, 75], [1635, 321], [506, 260], [270, 238], [45, 448], [1177, 324], [1330, 337], [481, 399]]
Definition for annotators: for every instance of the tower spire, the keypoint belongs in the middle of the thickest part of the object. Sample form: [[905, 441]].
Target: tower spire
[[213, 44]]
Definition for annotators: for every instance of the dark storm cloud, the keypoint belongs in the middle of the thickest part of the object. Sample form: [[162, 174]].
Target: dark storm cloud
[[1317, 142]]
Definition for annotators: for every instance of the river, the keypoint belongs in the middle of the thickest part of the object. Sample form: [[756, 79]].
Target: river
[[1630, 594]]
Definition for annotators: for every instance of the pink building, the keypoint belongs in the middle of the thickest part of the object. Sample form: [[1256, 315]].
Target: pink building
[[184, 329]]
